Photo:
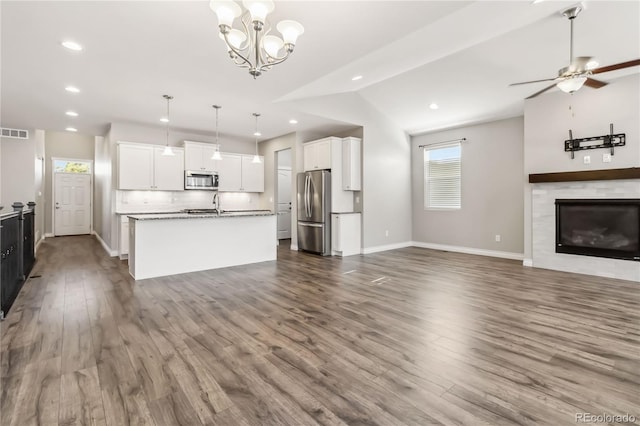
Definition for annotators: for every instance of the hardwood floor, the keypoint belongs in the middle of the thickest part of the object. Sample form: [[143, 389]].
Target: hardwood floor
[[409, 336]]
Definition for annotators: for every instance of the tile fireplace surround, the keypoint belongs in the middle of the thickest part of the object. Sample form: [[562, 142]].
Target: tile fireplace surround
[[543, 211]]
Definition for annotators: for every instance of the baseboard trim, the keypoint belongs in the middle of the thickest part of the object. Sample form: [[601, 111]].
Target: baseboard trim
[[112, 253], [35, 250], [294, 247], [376, 249], [527, 262], [49, 235], [470, 250]]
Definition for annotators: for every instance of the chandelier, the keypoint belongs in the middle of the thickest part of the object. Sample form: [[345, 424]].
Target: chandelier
[[252, 46]]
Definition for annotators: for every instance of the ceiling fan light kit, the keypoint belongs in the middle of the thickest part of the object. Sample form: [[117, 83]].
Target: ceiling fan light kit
[[580, 69], [253, 46]]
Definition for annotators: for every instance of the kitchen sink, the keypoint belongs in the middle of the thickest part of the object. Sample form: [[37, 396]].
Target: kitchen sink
[[199, 211]]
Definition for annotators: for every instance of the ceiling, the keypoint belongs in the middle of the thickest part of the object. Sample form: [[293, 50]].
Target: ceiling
[[461, 55]]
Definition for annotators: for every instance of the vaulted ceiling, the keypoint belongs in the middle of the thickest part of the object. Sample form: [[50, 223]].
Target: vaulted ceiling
[[460, 55]]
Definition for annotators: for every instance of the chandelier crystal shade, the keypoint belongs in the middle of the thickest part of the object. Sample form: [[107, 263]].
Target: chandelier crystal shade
[[253, 46]]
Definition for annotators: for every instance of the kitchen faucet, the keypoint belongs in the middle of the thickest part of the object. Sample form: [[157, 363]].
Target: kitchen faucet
[[216, 203]]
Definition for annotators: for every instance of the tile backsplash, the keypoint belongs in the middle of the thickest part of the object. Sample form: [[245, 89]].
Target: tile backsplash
[[163, 201]]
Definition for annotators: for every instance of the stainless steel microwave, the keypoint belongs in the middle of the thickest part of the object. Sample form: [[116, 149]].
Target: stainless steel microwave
[[207, 181]]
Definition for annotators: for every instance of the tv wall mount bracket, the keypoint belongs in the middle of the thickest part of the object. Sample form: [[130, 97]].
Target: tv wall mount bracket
[[609, 141]]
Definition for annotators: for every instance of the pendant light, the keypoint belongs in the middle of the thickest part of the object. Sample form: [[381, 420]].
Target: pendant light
[[167, 148], [216, 154], [256, 158]]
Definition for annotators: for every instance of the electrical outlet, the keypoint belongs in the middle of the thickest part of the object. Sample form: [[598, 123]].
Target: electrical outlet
[[587, 159], [357, 199], [386, 233], [498, 238], [606, 158]]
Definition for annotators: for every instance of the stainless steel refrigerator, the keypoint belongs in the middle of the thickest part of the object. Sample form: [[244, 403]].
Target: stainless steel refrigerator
[[314, 211]]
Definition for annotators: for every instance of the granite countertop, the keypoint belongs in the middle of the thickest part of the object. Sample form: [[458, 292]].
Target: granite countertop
[[148, 212], [164, 216]]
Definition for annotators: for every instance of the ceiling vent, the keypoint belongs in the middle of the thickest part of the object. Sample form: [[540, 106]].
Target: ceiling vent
[[14, 133]]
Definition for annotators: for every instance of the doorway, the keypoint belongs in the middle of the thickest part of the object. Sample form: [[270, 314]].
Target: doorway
[[283, 194], [72, 194]]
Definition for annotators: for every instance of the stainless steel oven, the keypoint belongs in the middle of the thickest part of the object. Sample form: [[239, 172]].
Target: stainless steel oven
[[207, 181]]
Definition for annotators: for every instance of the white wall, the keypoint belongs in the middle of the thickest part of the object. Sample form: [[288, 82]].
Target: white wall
[[268, 149], [156, 135], [21, 171], [102, 188], [62, 145], [386, 167], [492, 178], [547, 120]]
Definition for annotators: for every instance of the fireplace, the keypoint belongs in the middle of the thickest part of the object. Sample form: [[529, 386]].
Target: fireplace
[[602, 227]]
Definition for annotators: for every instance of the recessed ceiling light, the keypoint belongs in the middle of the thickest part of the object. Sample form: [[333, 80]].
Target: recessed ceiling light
[[164, 119], [356, 78], [292, 121], [72, 89], [71, 113], [71, 129], [72, 45], [434, 105], [536, 1], [257, 134]]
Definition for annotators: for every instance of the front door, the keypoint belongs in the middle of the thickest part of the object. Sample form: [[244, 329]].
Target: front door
[[72, 213], [284, 204]]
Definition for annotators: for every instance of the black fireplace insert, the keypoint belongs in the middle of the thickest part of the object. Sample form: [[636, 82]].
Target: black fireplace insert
[[601, 227]]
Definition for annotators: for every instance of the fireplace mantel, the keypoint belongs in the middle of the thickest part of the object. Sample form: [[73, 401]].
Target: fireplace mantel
[[610, 174]]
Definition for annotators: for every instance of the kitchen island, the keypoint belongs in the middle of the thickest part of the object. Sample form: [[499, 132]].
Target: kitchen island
[[176, 243]]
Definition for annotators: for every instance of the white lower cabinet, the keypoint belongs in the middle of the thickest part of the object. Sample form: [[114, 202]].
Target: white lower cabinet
[[345, 234], [124, 236]]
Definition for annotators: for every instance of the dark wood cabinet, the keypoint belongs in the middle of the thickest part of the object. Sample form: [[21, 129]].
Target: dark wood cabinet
[[17, 254]]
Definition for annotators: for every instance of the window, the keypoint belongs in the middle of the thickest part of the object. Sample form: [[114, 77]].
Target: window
[[442, 167], [70, 166]]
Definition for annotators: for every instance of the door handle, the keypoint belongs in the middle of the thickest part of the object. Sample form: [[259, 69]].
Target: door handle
[[311, 225]]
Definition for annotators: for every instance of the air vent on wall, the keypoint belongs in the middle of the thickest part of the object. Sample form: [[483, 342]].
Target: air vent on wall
[[14, 133]]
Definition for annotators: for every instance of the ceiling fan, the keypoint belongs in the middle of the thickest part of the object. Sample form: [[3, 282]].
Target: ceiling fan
[[580, 69]]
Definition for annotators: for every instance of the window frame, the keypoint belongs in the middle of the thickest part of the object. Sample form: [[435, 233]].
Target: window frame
[[425, 177]]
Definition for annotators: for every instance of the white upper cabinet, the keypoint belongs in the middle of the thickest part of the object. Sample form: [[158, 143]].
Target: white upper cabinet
[[144, 167], [230, 173], [168, 171], [135, 166], [327, 154], [252, 174], [237, 173], [197, 157], [351, 166], [317, 155]]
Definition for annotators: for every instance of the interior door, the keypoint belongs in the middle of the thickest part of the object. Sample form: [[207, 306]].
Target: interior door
[[284, 204], [72, 214]]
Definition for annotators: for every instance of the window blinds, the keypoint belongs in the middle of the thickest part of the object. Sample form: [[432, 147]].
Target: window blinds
[[442, 169]]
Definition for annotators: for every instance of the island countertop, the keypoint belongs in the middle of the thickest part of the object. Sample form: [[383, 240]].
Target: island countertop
[[224, 214]]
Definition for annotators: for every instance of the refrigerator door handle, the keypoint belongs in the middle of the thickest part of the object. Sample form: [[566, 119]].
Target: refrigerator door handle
[[312, 225], [308, 195]]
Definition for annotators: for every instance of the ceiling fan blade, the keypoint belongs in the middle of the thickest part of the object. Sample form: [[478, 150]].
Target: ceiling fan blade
[[614, 67], [532, 81], [595, 84], [541, 91]]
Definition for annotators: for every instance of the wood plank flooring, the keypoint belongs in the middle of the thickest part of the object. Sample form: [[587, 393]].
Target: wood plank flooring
[[405, 337]]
